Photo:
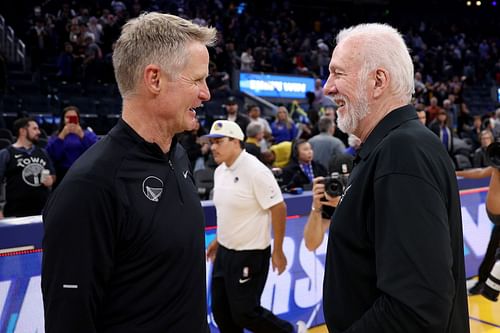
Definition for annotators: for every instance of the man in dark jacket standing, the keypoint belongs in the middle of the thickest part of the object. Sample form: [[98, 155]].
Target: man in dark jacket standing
[[395, 251], [124, 244]]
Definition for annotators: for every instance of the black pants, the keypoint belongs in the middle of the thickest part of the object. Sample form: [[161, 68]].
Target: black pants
[[489, 257], [238, 280]]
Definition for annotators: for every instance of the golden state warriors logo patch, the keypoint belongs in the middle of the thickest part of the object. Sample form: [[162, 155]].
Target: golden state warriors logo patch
[[152, 187]]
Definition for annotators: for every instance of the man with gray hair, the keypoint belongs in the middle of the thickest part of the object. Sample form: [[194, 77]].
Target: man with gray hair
[[255, 134], [325, 145], [124, 244], [395, 259]]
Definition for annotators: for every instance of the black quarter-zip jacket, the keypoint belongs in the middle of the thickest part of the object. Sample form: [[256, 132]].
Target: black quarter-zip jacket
[[395, 261], [124, 247]]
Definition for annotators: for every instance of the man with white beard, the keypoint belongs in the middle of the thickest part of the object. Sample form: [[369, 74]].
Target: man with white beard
[[395, 251]]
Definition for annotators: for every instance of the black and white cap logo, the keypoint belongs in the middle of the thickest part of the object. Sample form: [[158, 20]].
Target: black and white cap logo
[[152, 187]]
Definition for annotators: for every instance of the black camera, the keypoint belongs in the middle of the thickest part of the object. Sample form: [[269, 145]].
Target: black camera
[[493, 154], [491, 287], [335, 184]]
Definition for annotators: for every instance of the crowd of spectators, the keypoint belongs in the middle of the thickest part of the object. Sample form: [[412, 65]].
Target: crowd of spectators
[[286, 37], [280, 37]]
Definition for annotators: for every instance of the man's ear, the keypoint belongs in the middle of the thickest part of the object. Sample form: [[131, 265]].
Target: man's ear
[[382, 80], [152, 77]]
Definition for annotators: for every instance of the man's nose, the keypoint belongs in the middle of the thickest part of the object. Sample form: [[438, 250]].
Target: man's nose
[[204, 92]]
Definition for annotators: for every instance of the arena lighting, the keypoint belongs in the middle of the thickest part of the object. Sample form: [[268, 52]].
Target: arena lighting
[[494, 3], [478, 3], [469, 3]]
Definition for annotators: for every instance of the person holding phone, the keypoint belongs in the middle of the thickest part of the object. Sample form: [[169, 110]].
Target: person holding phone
[[69, 142]]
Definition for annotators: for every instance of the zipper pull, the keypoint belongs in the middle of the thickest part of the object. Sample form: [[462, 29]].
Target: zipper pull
[[171, 165]]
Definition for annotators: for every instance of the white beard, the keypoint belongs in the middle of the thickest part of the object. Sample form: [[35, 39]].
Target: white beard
[[354, 112]]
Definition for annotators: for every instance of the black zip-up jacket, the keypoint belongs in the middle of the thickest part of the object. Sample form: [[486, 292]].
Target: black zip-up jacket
[[395, 260], [124, 247]]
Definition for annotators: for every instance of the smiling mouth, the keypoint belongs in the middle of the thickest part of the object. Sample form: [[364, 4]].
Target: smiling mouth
[[194, 109]]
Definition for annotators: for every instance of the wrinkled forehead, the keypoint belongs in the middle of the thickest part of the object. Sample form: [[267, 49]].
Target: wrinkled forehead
[[347, 53]]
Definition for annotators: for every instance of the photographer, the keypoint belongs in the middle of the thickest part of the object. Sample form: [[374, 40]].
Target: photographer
[[317, 223], [325, 200]]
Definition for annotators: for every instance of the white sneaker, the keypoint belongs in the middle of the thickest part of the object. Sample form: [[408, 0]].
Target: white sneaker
[[301, 327]]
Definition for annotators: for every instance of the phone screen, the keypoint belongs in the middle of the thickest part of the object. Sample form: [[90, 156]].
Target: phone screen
[[72, 119]]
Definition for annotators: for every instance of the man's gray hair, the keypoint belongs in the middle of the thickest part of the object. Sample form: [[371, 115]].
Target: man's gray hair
[[155, 38], [383, 46], [324, 124], [253, 129]]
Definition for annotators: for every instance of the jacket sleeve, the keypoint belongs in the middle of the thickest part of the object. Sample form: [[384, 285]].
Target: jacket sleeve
[[413, 259], [89, 138], [55, 148], [79, 241]]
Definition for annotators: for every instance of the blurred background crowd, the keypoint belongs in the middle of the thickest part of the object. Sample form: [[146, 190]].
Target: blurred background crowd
[[67, 63]]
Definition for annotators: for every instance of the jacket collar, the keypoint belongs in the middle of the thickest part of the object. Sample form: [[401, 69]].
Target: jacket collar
[[123, 130], [391, 121]]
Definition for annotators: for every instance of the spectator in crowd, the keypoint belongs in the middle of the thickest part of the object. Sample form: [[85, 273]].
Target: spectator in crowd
[[378, 240], [280, 154], [329, 111], [255, 134], [196, 147], [480, 159], [27, 170], [422, 115], [419, 85], [302, 168], [66, 64], [283, 128], [465, 120], [95, 28], [129, 211], [65, 13], [70, 141], [325, 145], [234, 115], [354, 145], [39, 42], [440, 127], [300, 117], [319, 97], [432, 110], [217, 80], [241, 249], [254, 115], [92, 59], [247, 60], [474, 133], [452, 113]]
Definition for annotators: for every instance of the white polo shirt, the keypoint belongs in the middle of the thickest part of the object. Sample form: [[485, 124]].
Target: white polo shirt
[[243, 194]]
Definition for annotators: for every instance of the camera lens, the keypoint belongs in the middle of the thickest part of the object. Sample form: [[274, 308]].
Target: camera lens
[[333, 187]]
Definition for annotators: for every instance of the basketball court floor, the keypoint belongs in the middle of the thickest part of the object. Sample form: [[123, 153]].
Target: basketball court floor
[[484, 315]]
